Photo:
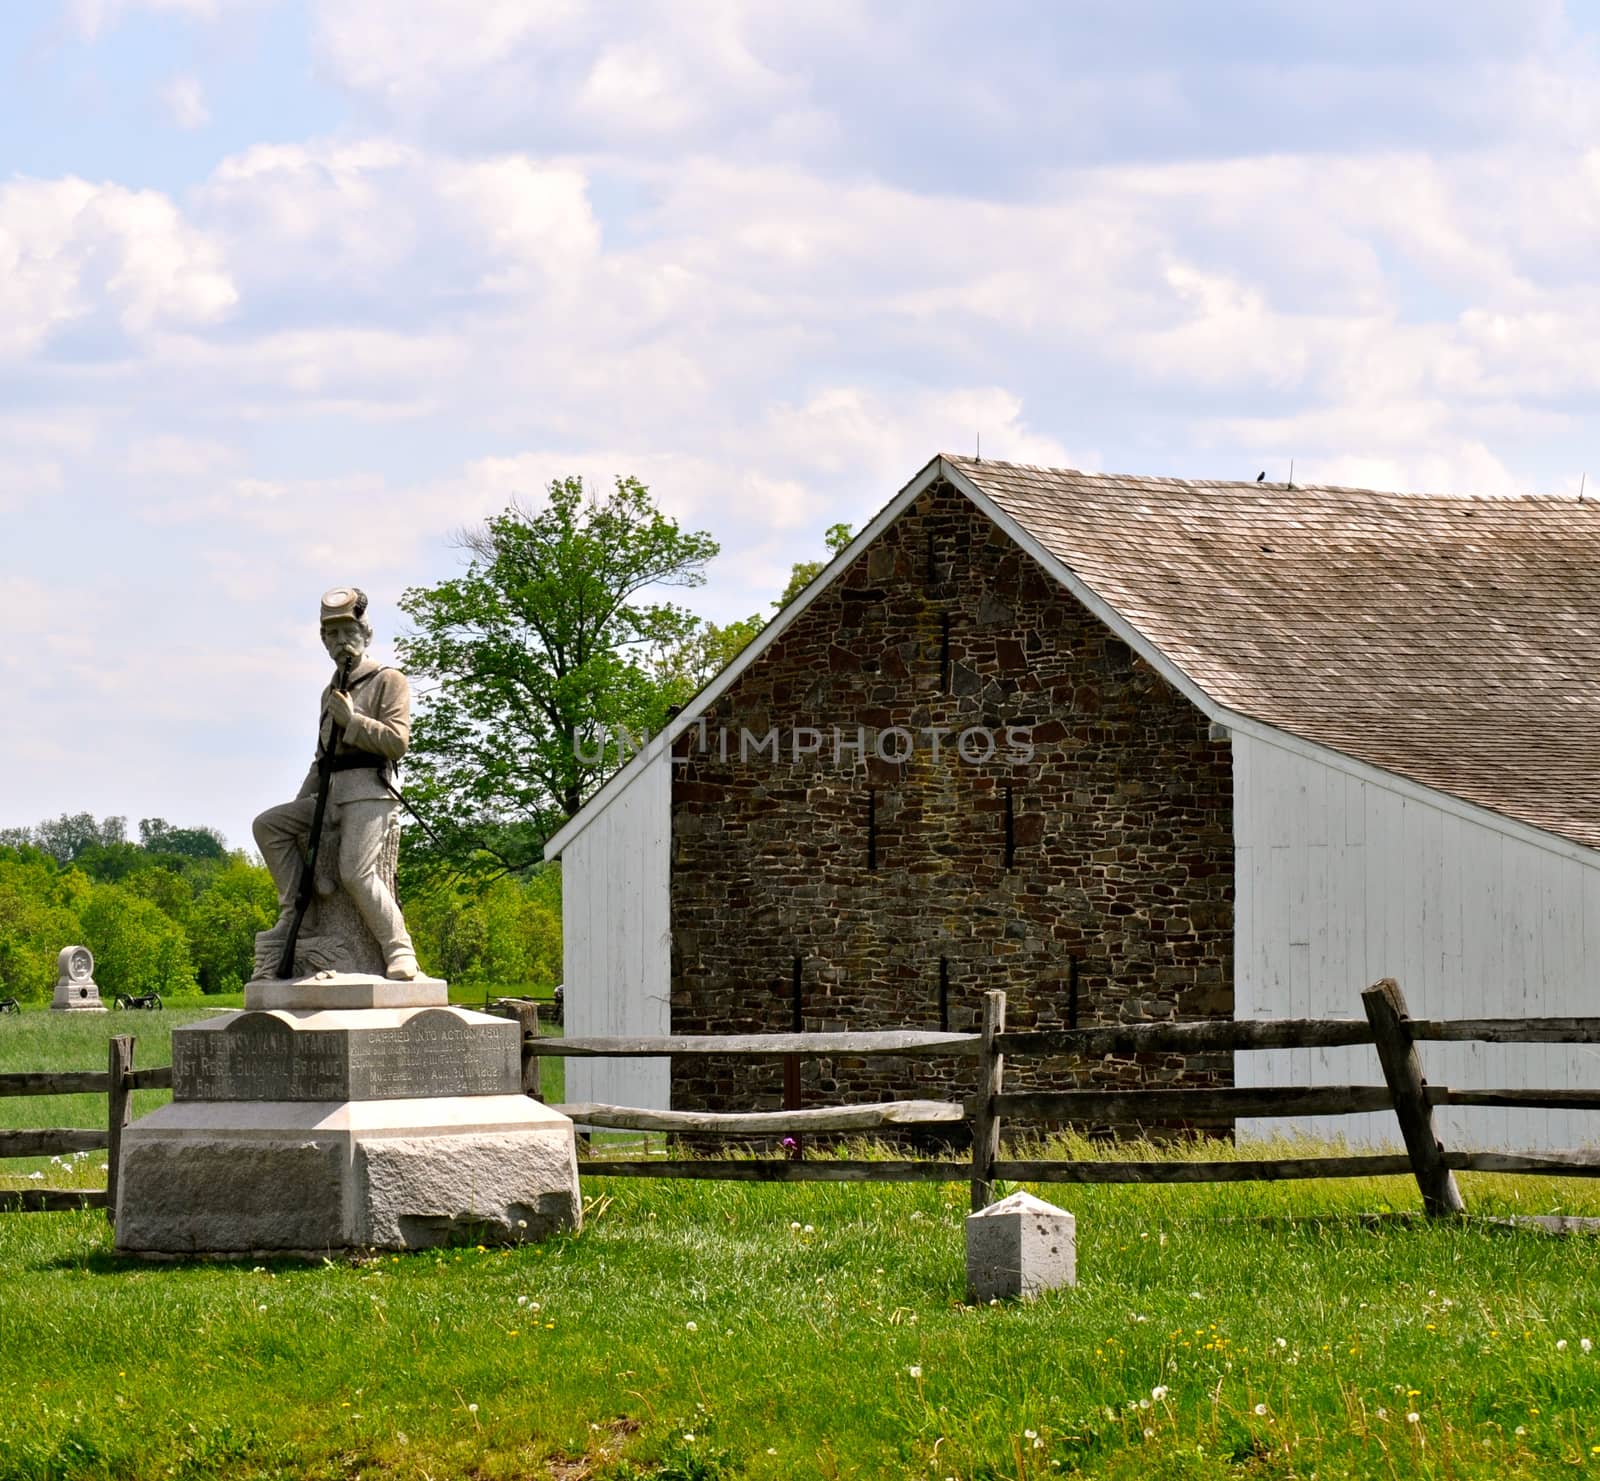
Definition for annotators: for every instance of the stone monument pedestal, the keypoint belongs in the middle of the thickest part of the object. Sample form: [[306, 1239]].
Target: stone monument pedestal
[[313, 1128], [76, 990]]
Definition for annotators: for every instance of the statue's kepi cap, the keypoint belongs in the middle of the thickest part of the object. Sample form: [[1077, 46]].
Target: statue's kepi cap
[[343, 601]]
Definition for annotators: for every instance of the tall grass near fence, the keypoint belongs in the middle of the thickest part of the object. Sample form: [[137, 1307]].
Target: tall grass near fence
[[703, 1330]]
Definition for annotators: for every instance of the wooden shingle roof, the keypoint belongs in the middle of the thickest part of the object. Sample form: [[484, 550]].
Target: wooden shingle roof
[[1454, 641]]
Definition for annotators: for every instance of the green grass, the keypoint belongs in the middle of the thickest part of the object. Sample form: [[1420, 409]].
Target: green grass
[[1247, 1330], [820, 1330]]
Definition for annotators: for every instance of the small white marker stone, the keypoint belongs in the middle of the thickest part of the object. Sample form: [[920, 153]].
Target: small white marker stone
[[1020, 1247]]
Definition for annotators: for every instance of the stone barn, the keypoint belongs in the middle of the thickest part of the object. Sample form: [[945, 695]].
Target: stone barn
[[1128, 748]]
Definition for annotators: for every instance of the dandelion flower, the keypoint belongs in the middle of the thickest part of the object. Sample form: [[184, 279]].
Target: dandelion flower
[[794, 1223], [1382, 1412], [915, 1370], [472, 1408], [1030, 1434], [1159, 1392], [691, 1327], [1413, 1417], [1561, 1344], [1585, 1344], [1261, 1409], [1522, 1429], [772, 1450], [688, 1439], [262, 1307], [1283, 1341], [522, 1300]]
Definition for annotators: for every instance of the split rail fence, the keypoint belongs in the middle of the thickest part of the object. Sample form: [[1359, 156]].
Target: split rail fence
[[116, 1082], [1387, 1026]]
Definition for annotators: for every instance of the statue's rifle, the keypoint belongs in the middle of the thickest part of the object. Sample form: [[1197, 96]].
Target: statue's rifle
[[308, 871]]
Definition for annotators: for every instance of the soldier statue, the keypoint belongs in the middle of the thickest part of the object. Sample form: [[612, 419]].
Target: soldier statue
[[350, 791]]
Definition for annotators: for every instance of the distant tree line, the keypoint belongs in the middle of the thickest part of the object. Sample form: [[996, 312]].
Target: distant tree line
[[178, 912], [173, 913]]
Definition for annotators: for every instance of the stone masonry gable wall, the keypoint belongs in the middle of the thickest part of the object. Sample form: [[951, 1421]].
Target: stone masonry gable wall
[[1122, 829]]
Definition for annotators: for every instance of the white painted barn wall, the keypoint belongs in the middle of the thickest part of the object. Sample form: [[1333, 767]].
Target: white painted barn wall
[[616, 938], [1342, 880]]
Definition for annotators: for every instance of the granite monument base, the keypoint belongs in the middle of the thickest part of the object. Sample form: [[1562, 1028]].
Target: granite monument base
[[345, 990], [331, 1129], [76, 997], [248, 1177]]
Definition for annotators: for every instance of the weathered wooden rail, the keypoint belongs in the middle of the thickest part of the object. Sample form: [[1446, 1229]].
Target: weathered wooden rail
[[116, 1082], [1386, 1025]]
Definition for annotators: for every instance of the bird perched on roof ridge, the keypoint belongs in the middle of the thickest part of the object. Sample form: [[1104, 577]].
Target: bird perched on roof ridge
[[1261, 477]]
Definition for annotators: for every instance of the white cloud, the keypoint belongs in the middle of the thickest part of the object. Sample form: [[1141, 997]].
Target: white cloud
[[24, 479], [92, 19], [407, 52], [69, 248], [532, 219], [185, 101], [175, 458], [315, 213]]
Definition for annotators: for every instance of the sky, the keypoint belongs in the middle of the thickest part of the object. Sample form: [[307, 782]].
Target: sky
[[293, 291]]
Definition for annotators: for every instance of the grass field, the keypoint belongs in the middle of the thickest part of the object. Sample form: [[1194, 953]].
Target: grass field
[[696, 1331]]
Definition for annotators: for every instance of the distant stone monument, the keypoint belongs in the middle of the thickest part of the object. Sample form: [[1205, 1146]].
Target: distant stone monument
[[349, 1105], [75, 985]]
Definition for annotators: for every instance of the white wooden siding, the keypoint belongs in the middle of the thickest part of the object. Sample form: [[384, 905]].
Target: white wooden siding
[[616, 939], [1342, 880]]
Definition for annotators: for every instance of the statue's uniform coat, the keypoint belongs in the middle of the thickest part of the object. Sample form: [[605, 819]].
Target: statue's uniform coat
[[358, 800]]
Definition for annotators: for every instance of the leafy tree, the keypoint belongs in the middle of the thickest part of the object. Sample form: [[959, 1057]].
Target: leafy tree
[[38, 916], [137, 947], [803, 573], [538, 651], [501, 934], [158, 836], [111, 862], [222, 924], [66, 837], [686, 669]]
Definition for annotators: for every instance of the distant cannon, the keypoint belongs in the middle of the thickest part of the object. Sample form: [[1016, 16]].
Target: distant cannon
[[148, 1000]]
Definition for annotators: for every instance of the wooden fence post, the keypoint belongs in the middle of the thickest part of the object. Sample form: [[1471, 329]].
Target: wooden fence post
[[119, 1111], [527, 1016], [985, 1124], [1385, 1006]]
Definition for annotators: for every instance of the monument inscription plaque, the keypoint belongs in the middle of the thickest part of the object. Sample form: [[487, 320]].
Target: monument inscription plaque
[[264, 1056]]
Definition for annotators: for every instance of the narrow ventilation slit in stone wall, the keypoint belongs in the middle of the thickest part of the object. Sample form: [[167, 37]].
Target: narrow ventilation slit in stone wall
[[944, 652], [791, 1062], [872, 827], [931, 568], [944, 994]]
